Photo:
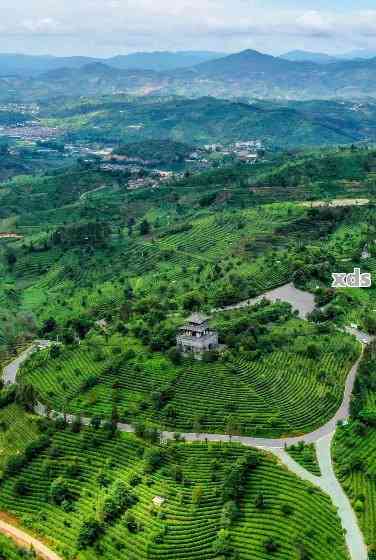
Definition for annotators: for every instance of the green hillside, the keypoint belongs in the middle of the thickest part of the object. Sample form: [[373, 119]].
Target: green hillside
[[91, 494], [205, 120]]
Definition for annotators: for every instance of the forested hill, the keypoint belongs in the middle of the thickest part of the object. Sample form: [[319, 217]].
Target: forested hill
[[204, 120]]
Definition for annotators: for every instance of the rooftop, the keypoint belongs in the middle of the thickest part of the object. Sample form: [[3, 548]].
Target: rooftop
[[197, 319]]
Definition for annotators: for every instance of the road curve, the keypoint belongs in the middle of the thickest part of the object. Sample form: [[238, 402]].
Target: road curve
[[10, 371], [27, 541]]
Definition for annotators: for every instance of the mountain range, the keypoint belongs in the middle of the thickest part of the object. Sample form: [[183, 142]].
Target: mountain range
[[29, 65], [323, 58], [248, 74]]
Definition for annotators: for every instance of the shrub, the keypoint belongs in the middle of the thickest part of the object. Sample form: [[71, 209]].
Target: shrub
[[230, 512], [89, 533], [14, 464], [59, 491], [271, 545], [221, 545]]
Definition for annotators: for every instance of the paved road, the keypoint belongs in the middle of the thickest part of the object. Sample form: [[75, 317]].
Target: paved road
[[26, 541], [11, 370], [302, 301], [329, 484]]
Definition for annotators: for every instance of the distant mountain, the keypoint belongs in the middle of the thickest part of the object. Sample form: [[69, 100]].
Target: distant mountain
[[27, 65], [162, 61], [307, 56], [256, 75], [243, 63], [248, 74], [96, 78], [358, 54]]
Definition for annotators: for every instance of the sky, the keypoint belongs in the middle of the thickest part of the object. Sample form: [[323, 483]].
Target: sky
[[107, 27]]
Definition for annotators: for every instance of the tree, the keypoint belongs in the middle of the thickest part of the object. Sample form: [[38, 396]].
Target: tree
[[144, 227], [175, 356], [230, 512], [59, 491], [96, 422], [26, 395], [260, 501], [76, 424], [221, 545], [154, 457], [131, 522], [21, 487], [90, 530], [11, 258], [49, 325]]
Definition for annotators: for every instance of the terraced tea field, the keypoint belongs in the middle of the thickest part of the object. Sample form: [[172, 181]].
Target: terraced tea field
[[282, 393], [291, 513], [305, 455], [355, 457], [17, 430]]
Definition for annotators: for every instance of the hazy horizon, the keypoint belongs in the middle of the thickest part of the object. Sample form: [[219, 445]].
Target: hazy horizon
[[182, 51], [108, 27]]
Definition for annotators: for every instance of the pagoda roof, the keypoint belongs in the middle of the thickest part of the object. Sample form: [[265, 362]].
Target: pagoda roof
[[193, 328], [198, 319]]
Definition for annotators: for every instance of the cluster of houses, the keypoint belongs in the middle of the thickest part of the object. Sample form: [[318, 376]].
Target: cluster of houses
[[23, 108], [30, 131], [249, 151]]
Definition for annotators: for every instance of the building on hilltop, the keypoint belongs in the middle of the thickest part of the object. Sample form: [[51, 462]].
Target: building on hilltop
[[196, 337]]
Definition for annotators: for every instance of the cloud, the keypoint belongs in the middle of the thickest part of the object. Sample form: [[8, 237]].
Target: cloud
[[43, 25], [102, 27]]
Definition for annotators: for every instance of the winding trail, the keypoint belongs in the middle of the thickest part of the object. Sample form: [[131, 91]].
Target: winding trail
[[321, 438]]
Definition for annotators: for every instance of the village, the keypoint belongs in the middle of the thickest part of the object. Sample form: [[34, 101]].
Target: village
[[48, 142]]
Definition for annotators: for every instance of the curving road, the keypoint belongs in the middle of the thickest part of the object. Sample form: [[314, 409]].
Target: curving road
[[321, 438], [10, 371]]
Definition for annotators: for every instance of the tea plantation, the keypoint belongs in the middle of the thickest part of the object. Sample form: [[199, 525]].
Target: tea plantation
[[288, 391], [90, 492]]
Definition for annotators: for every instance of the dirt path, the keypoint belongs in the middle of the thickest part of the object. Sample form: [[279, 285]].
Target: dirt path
[[336, 203], [27, 541]]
